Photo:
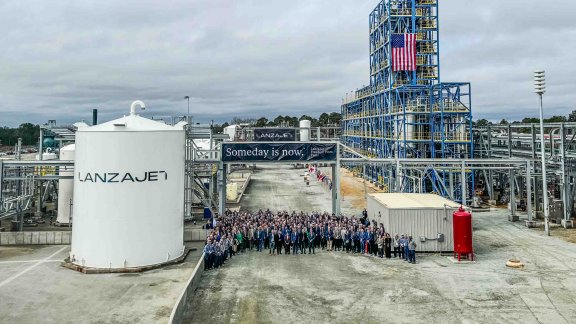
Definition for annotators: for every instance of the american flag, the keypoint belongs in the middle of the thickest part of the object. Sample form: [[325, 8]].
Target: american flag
[[403, 52]]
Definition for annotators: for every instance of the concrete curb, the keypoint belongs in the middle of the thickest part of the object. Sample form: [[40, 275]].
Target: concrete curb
[[180, 307]]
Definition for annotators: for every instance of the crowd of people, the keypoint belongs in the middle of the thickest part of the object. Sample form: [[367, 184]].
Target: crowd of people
[[302, 233]]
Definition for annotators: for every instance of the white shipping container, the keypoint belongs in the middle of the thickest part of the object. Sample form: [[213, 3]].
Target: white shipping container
[[426, 217]]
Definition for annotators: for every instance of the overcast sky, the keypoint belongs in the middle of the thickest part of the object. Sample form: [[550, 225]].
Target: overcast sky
[[249, 58]]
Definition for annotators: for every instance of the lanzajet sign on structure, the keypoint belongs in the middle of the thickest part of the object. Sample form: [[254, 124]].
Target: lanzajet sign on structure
[[274, 135], [288, 152]]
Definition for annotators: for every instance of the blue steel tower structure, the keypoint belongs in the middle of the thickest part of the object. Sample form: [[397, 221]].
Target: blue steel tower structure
[[409, 114]]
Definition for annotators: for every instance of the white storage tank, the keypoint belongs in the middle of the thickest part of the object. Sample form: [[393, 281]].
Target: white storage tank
[[231, 131], [128, 193], [66, 186], [47, 155], [305, 130], [410, 127]]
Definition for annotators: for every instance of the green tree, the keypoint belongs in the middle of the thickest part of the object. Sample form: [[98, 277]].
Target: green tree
[[323, 119], [261, 122], [482, 123], [334, 118], [29, 133], [530, 120], [278, 120], [555, 119]]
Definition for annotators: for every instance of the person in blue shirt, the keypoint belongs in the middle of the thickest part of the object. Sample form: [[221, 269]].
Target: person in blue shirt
[[404, 246], [208, 255], [356, 239], [362, 237], [294, 239], [261, 236], [216, 255]]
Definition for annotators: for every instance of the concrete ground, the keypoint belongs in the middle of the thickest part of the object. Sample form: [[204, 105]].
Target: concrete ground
[[34, 288], [282, 187], [342, 288]]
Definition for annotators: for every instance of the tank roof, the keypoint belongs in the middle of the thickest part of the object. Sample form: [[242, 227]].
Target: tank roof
[[132, 123]]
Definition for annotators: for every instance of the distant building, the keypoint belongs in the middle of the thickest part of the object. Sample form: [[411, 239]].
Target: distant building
[[572, 116]]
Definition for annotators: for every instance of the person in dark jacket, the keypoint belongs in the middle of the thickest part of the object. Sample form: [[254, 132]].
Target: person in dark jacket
[[278, 242], [388, 246], [294, 239], [287, 241], [411, 250], [303, 241], [311, 241]]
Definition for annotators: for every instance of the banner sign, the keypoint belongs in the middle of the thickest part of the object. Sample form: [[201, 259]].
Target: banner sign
[[274, 135], [268, 152]]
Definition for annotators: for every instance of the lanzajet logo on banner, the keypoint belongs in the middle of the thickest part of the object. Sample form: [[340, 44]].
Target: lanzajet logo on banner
[[289, 152], [274, 135]]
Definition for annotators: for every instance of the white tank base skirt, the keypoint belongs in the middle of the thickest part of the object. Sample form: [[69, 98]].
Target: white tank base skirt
[[73, 265]]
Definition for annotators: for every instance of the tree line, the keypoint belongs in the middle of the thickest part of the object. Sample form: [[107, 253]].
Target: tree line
[[324, 120], [527, 120], [29, 133]]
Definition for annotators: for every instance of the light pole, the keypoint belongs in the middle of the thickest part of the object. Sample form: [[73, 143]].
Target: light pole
[[188, 115], [540, 89]]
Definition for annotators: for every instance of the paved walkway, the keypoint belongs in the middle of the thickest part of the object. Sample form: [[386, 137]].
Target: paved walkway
[[282, 187]]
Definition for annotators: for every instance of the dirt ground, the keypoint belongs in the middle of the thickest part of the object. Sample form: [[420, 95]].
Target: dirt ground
[[355, 189], [568, 235]]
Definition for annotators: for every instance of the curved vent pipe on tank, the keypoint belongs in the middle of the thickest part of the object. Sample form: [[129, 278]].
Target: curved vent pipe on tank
[[133, 107]]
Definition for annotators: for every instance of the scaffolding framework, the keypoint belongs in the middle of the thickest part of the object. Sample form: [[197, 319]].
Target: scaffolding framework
[[409, 114]]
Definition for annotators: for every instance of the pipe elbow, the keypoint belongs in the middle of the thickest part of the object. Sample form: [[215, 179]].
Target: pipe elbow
[[133, 106]]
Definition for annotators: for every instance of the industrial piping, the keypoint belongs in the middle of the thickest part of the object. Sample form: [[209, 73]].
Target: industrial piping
[[133, 107]]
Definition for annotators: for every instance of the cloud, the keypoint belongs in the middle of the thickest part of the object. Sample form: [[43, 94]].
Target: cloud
[[496, 45], [60, 59]]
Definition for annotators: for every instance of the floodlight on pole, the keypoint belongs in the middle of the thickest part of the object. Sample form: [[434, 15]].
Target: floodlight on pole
[[540, 89]]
